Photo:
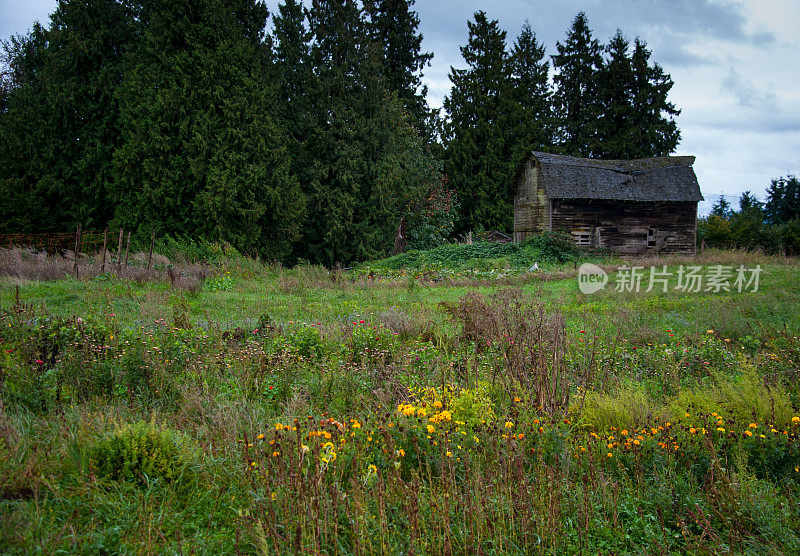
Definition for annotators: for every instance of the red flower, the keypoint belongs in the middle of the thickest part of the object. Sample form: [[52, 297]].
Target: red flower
[[39, 362]]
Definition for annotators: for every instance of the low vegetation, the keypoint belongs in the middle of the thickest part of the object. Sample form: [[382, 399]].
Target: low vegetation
[[383, 409]]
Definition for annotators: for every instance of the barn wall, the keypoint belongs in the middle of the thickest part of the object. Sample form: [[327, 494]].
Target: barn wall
[[531, 205], [623, 226]]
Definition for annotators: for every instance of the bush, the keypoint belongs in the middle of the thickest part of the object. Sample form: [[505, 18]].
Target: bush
[[308, 342], [141, 452]]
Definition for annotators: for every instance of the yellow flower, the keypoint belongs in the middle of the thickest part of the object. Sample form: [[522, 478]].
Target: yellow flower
[[431, 429], [609, 454], [372, 468], [278, 426], [261, 437], [275, 454], [720, 429], [509, 424], [795, 419], [748, 433], [636, 441], [449, 454], [437, 404]]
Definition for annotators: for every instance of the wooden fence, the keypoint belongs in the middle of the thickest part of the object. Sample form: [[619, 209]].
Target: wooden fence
[[79, 243]]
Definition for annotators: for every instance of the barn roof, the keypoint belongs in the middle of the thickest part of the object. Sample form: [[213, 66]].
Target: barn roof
[[666, 178]]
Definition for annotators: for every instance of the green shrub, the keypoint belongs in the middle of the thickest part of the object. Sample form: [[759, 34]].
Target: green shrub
[[308, 341], [744, 398], [629, 406], [141, 452]]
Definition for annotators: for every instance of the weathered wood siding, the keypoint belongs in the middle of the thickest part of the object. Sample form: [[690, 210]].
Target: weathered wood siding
[[531, 205], [629, 228]]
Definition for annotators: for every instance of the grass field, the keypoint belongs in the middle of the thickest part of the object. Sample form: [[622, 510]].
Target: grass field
[[449, 402]]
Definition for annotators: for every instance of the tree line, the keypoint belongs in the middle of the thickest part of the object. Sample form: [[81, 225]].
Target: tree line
[[773, 226], [310, 138]]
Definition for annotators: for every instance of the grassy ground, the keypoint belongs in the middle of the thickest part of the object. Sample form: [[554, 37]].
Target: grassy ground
[[444, 406]]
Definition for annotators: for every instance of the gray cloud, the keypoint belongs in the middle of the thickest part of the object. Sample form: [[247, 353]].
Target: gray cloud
[[747, 94]]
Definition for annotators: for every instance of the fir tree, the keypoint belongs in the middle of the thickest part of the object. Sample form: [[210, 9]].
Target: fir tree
[[295, 75], [60, 110], [201, 152], [478, 131], [783, 200], [616, 132], [654, 128], [576, 98], [748, 201], [367, 163], [532, 94], [394, 26], [722, 208]]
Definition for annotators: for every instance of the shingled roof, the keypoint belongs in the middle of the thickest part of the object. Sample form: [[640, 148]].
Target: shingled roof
[[667, 178]]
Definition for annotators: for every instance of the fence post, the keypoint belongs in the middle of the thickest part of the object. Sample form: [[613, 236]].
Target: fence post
[[150, 256], [127, 250], [119, 251], [105, 241], [77, 250]]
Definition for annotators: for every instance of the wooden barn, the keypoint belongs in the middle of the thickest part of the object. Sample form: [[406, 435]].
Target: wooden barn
[[631, 207]]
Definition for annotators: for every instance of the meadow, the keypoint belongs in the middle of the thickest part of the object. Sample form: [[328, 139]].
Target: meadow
[[450, 401]]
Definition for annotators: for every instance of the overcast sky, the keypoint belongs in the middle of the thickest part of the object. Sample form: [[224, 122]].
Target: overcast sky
[[734, 63]]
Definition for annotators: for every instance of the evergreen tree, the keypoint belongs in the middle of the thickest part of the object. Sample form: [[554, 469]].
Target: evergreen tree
[[202, 155], [749, 202], [368, 164], [295, 75], [59, 124], [615, 128], [576, 99], [722, 208], [783, 200], [654, 128], [394, 26], [532, 95], [478, 133]]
